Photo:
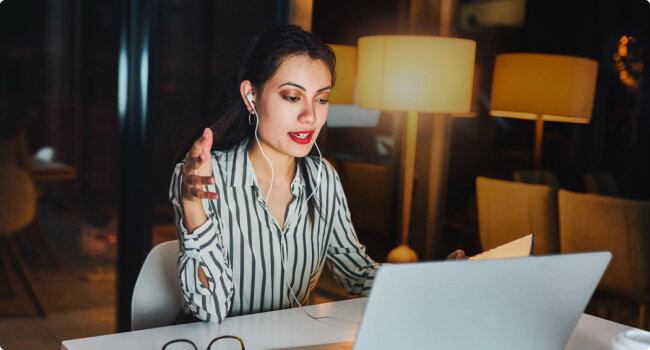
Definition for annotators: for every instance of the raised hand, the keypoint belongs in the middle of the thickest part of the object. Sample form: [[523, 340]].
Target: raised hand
[[197, 170]]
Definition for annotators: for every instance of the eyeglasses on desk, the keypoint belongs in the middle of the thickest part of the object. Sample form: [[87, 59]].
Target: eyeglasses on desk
[[181, 344]]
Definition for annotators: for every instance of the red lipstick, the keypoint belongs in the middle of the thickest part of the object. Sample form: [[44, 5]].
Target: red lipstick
[[301, 137]]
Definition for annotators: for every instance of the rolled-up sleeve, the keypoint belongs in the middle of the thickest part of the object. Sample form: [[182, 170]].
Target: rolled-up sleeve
[[204, 248], [347, 258]]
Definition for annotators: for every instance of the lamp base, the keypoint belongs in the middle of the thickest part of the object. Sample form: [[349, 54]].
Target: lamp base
[[402, 254]]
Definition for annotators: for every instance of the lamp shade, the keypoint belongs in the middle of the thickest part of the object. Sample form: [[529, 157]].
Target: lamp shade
[[346, 74], [554, 87], [415, 73]]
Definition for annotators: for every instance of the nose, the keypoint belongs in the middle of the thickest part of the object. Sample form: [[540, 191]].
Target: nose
[[308, 113]]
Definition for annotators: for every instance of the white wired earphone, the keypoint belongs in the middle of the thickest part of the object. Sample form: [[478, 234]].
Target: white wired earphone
[[249, 97]]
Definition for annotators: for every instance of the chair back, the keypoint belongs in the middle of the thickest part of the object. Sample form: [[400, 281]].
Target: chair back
[[157, 297], [509, 210], [17, 199], [591, 222]]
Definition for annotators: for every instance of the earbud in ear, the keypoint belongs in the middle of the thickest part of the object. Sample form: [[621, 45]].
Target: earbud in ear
[[249, 96]]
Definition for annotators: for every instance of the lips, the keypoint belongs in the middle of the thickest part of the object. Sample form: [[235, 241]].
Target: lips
[[301, 137]]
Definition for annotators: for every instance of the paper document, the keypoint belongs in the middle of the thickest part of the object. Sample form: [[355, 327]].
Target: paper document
[[518, 248]]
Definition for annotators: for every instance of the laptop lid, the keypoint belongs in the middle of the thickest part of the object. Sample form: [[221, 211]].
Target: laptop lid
[[524, 303]]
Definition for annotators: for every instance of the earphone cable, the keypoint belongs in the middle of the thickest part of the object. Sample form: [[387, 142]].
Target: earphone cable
[[257, 122], [319, 319], [318, 177]]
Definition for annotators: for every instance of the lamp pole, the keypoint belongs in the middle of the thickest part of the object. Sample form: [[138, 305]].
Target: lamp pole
[[439, 155], [403, 253], [539, 132]]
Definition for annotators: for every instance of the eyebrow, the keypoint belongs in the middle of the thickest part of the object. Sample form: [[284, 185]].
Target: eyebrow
[[303, 89]]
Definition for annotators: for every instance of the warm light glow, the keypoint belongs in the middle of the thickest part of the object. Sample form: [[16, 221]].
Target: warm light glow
[[629, 71], [557, 88], [415, 73], [346, 74], [300, 13]]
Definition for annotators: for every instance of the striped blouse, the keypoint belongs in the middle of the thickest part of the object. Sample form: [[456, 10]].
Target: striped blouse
[[248, 259]]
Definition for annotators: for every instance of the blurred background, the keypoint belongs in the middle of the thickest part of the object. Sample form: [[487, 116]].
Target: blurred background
[[101, 163]]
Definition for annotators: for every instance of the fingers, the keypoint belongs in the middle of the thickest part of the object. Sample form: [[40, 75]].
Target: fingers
[[194, 187], [194, 169], [207, 144], [197, 147], [202, 145], [196, 180], [199, 193], [457, 255], [193, 163], [195, 184]]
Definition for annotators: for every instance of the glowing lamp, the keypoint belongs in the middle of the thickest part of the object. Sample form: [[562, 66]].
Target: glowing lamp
[[414, 74], [543, 87]]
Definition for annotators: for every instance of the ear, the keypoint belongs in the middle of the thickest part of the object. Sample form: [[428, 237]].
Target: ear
[[244, 88]]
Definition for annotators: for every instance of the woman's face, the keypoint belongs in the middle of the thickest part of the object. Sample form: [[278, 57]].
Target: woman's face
[[292, 106]]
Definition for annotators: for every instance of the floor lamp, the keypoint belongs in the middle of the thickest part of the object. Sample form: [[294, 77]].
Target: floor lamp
[[414, 74], [543, 87]]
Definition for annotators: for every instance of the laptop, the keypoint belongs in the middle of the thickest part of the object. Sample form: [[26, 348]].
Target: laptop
[[523, 303]]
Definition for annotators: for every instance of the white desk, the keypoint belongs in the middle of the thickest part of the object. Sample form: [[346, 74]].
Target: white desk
[[293, 328]]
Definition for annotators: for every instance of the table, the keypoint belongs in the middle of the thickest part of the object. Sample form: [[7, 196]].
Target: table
[[292, 327], [45, 170], [267, 330]]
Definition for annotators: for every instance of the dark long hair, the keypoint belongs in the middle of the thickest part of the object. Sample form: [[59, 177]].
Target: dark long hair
[[263, 57]]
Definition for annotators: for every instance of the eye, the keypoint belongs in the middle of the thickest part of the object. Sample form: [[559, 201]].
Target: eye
[[322, 100], [292, 98]]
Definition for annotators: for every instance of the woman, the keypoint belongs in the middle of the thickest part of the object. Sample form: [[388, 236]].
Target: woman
[[257, 218]]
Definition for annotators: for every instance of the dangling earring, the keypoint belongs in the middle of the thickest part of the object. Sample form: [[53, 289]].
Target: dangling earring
[[250, 121]]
